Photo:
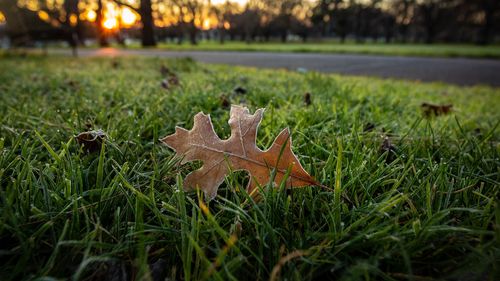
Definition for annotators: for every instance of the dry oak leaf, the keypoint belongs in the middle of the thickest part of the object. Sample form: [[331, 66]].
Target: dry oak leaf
[[238, 152]]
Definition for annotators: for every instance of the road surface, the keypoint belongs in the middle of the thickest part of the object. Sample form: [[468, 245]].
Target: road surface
[[460, 71]]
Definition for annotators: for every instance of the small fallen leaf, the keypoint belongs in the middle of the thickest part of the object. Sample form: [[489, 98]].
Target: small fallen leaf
[[388, 147], [307, 99], [224, 101], [115, 64], [430, 110], [164, 84], [170, 81], [174, 80], [240, 90], [91, 140], [239, 152]]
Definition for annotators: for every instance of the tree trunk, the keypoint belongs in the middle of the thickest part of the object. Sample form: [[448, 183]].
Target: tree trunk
[[430, 22], [358, 25], [283, 36], [222, 35], [342, 38], [489, 13], [71, 10], [429, 35], [248, 38], [404, 33], [192, 32], [148, 31], [101, 35]]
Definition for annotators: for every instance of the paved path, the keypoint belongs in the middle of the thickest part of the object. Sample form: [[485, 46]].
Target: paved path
[[459, 71]]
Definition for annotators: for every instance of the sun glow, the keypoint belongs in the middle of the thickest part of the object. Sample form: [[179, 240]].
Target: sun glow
[[206, 24], [73, 19], [43, 15], [115, 17], [110, 23], [128, 17], [91, 15]]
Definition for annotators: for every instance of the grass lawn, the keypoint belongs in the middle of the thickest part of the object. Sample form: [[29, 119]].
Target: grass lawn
[[425, 208], [421, 50]]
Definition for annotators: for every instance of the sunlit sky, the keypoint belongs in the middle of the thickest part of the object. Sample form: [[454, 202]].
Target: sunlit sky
[[116, 16]]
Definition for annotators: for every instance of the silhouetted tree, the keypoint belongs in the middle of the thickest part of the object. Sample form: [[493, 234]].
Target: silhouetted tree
[[223, 13], [248, 22], [403, 11], [417, 20], [25, 26], [489, 10], [148, 38], [282, 13], [101, 33], [329, 17]]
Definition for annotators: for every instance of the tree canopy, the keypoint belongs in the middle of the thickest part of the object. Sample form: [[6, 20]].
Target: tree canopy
[[152, 20]]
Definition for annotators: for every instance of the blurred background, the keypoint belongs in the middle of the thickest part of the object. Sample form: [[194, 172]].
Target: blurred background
[[152, 22]]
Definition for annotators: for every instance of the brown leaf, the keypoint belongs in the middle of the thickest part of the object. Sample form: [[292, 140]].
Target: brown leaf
[[239, 152], [224, 101], [169, 82], [115, 64], [430, 110], [91, 140], [307, 99], [240, 90], [174, 80], [388, 147]]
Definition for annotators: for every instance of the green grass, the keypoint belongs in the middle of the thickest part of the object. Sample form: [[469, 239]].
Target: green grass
[[421, 50], [427, 210]]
